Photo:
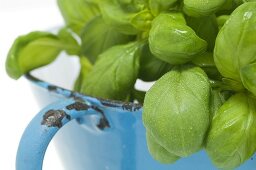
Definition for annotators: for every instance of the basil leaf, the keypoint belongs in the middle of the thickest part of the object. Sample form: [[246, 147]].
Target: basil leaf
[[217, 99], [206, 62], [248, 74], [233, 84], [97, 37], [197, 8], [231, 139], [77, 13], [172, 41], [114, 74], [157, 6], [142, 20], [31, 51], [236, 42], [158, 152], [151, 68], [125, 2], [221, 20], [228, 5], [70, 44], [118, 17], [176, 110], [133, 4], [85, 68], [206, 28]]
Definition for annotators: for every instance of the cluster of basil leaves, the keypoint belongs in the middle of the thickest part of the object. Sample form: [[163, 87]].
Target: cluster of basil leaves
[[202, 55]]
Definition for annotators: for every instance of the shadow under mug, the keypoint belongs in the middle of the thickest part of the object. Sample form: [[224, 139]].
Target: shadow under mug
[[94, 134]]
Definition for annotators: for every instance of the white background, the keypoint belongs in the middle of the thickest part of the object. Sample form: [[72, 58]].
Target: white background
[[16, 101]]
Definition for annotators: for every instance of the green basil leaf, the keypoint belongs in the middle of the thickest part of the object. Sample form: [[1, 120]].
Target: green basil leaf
[[236, 42], [125, 2], [231, 139], [158, 152], [77, 13], [97, 37], [239, 2], [217, 99], [157, 6], [206, 28], [228, 5], [197, 8], [151, 68], [142, 20], [118, 17], [248, 75], [172, 41], [70, 44], [221, 20], [114, 74], [133, 4], [233, 84], [248, 0], [206, 62], [176, 110], [31, 51], [85, 69]]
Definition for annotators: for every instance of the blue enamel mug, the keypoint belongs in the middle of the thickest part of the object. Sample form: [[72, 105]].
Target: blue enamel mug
[[91, 133]]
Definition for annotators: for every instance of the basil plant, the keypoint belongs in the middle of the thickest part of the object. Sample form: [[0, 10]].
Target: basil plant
[[200, 55], [176, 111], [231, 138]]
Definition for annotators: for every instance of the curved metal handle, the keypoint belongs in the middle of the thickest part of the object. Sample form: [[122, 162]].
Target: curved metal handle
[[44, 126]]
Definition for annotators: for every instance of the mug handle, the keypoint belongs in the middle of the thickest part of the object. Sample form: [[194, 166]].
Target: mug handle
[[45, 125]]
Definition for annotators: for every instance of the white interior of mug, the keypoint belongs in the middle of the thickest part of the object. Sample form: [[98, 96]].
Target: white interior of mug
[[62, 72]]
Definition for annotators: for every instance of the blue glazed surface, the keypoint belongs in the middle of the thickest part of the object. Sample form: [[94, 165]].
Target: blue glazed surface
[[43, 127], [83, 144]]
